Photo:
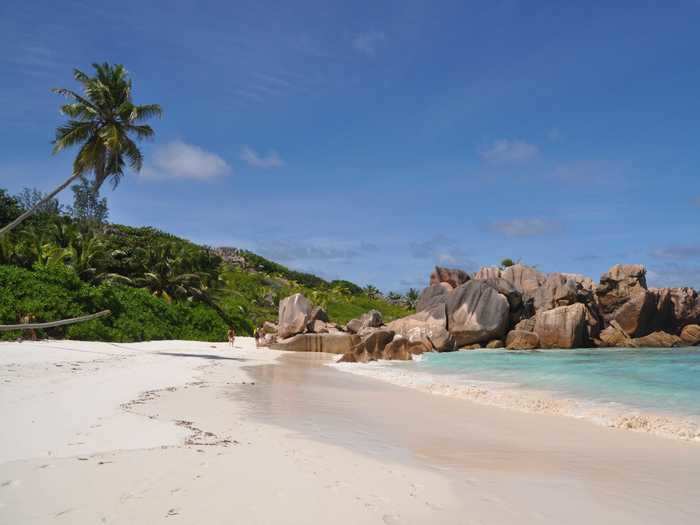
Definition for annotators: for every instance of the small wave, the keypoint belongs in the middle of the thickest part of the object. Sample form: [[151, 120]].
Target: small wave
[[507, 395]]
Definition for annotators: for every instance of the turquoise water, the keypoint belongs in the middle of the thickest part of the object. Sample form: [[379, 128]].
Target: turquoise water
[[661, 380]]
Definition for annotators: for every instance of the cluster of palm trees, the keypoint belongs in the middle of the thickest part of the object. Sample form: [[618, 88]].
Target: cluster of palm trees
[[408, 299], [168, 270]]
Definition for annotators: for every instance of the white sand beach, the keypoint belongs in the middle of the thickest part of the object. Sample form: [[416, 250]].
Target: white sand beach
[[183, 432]]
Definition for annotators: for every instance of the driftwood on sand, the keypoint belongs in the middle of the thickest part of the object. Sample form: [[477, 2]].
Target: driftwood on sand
[[52, 324]]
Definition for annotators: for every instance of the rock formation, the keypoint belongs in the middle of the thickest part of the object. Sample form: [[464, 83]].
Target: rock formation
[[428, 325], [476, 313], [451, 276], [522, 340], [519, 308], [294, 313], [562, 327]]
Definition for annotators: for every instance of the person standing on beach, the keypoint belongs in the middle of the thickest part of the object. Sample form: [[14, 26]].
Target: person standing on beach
[[231, 335]]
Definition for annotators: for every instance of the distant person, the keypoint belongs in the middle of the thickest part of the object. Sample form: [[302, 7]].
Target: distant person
[[30, 333], [231, 335], [256, 334]]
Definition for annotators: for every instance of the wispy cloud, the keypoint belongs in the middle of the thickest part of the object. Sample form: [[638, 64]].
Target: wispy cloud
[[673, 274], [524, 227], [258, 160], [505, 151], [367, 43], [599, 171], [441, 249], [180, 160], [679, 251], [555, 135], [321, 250]]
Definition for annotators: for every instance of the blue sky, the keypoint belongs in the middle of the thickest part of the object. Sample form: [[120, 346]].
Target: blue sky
[[372, 140]]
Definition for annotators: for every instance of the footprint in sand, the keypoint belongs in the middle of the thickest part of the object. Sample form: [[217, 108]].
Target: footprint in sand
[[13, 483]]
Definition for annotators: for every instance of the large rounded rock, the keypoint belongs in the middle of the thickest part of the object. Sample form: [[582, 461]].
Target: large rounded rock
[[614, 336], [686, 307], [657, 339], [691, 334], [618, 284], [562, 327], [431, 296], [294, 312], [636, 315], [371, 319], [402, 349], [429, 325], [369, 348], [453, 276], [488, 272], [327, 343], [476, 313], [525, 278], [557, 290], [522, 340]]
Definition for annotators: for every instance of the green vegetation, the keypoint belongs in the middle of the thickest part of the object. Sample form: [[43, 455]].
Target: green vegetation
[[158, 286]]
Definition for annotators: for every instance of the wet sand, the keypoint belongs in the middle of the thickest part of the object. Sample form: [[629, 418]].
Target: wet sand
[[541, 467]]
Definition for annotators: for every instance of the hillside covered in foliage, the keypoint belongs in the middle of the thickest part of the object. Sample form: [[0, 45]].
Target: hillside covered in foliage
[[63, 263]]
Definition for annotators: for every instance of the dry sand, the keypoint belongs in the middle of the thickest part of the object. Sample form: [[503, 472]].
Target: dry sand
[[182, 432]]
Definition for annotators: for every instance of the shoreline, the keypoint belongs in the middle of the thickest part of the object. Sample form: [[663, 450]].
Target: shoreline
[[174, 431], [528, 400]]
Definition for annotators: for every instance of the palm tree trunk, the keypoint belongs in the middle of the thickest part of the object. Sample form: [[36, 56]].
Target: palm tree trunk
[[43, 201], [52, 324]]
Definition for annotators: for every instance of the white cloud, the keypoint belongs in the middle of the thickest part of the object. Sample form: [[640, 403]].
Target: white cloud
[[367, 43], [524, 227], [256, 160], [509, 151], [180, 160]]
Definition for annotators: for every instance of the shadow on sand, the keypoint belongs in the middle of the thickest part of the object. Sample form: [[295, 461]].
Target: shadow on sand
[[203, 356]]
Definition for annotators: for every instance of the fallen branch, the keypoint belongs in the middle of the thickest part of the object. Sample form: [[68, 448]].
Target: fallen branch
[[52, 324]]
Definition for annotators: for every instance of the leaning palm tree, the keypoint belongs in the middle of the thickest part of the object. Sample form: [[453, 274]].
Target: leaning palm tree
[[102, 121]]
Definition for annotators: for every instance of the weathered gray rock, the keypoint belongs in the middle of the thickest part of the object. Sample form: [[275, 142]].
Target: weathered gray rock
[[636, 315], [562, 327], [557, 290], [430, 325], [525, 278], [318, 314], [328, 343], [488, 272], [657, 339], [371, 319], [691, 334], [618, 284], [369, 348], [615, 336], [431, 296], [401, 349], [269, 328], [476, 313], [454, 277], [507, 290], [686, 307], [496, 343], [526, 324], [294, 314], [522, 340]]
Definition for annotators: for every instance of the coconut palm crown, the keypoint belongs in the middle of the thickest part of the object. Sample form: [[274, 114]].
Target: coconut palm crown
[[103, 121]]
